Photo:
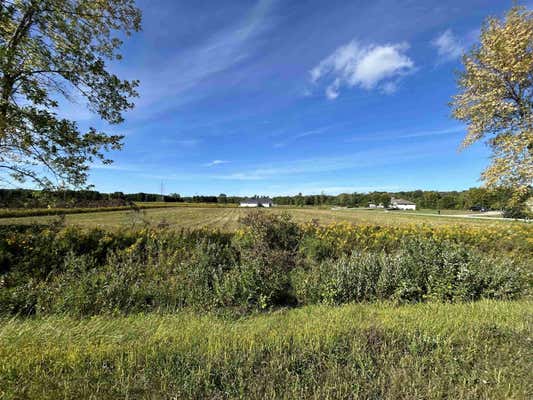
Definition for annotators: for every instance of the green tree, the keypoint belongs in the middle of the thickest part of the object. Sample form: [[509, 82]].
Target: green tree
[[447, 202], [222, 198], [496, 98], [430, 199], [52, 50], [299, 200]]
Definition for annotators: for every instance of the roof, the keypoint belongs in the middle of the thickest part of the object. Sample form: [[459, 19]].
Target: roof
[[257, 200], [402, 202]]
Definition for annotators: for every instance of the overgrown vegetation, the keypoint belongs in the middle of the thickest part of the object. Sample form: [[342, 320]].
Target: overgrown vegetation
[[270, 262], [180, 314]]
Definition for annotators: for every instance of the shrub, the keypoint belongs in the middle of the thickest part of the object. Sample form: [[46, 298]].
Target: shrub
[[421, 270], [515, 213], [268, 249]]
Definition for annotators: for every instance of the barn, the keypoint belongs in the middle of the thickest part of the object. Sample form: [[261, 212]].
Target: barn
[[257, 202], [401, 204]]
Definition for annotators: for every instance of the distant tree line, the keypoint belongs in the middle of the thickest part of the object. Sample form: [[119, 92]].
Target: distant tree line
[[493, 199], [488, 198], [27, 198], [177, 198]]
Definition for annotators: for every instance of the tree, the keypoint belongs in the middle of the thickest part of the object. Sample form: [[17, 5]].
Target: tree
[[496, 98], [222, 198], [52, 50]]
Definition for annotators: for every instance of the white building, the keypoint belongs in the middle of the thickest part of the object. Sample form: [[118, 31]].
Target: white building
[[258, 202], [401, 204]]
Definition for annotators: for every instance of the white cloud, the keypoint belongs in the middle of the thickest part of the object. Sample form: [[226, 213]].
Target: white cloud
[[448, 46], [332, 91], [390, 87], [216, 162], [368, 67]]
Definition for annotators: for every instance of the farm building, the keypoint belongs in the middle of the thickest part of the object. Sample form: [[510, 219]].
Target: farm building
[[402, 204], [257, 202], [373, 205]]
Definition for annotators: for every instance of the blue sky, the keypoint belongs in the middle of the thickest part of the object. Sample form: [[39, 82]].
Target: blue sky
[[287, 96]]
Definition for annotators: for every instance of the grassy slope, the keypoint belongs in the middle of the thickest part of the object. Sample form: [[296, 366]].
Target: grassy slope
[[430, 351], [227, 218]]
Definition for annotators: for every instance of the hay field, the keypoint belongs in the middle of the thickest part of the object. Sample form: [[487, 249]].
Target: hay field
[[227, 218]]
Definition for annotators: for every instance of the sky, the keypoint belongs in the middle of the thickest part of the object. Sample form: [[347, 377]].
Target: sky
[[277, 97]]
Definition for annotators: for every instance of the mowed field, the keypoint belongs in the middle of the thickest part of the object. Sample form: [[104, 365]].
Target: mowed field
[[227, 218]]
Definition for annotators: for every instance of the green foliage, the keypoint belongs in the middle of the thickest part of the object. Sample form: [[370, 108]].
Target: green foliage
[[53, 49], [267, 252], [516, 213], [495, 98], [270, 262], [268, 247], [493, 198], [421, 270], [496, 199]]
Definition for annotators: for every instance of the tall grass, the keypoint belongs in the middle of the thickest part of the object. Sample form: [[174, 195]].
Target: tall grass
[[475, 350], [271, 262]]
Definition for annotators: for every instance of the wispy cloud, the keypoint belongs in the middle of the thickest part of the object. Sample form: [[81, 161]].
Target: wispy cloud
[[116, 167], [405, 134], [216, 162], [449, 46], [364, 159], [436, 132], [195, 65], [324, 187], [367, 67], [310, 132]]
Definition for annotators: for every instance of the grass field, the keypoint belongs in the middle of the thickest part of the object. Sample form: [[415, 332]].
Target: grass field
[[375, 351], [226, 218], [164, 314]]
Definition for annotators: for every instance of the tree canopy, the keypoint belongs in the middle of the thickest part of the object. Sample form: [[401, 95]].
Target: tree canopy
[[52, 50], [495, 98]]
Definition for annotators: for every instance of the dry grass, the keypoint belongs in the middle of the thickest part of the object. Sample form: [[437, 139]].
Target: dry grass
[[226, 218]]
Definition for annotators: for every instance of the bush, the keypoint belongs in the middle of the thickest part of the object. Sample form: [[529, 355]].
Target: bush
[[268, 249], [515, 213], [422, 270]]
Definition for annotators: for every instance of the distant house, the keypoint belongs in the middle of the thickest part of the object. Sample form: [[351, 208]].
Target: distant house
[[257, 202], [373, 205], [401, 204]]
